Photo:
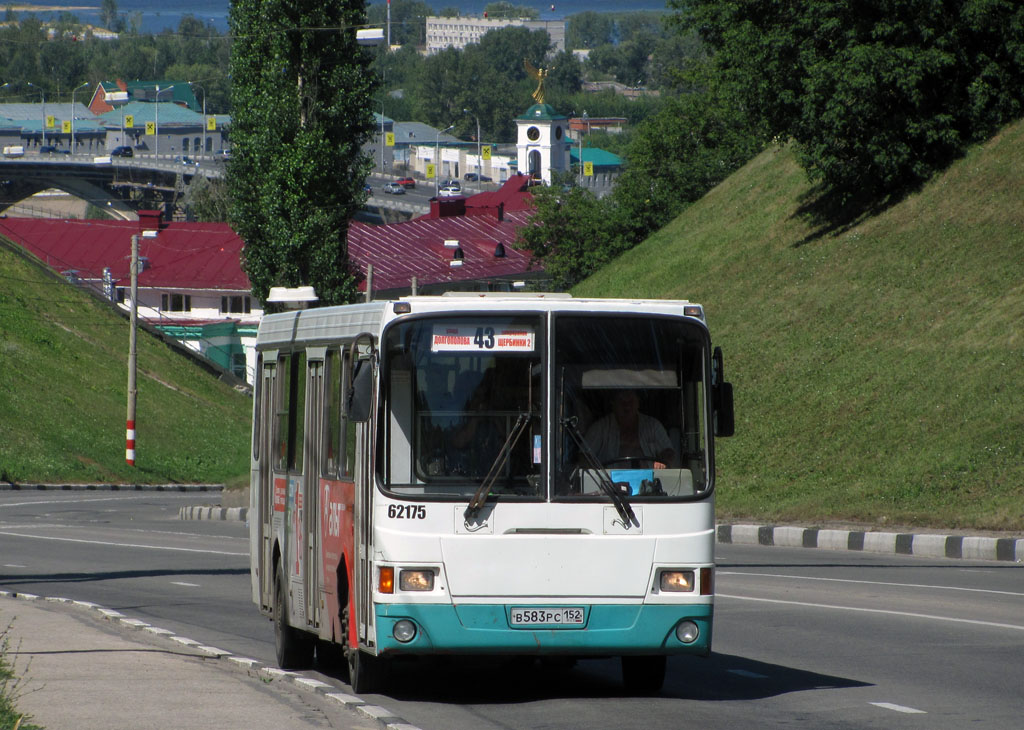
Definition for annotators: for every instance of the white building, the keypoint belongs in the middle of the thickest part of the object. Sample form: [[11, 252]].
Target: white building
[[460, 32]]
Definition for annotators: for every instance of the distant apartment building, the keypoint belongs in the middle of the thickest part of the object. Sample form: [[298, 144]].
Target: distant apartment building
[[460, 32]]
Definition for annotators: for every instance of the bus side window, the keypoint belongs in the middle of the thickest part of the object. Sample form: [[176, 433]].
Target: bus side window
[[291, 404]]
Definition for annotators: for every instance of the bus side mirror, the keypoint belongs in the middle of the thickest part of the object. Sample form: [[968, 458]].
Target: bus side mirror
[[360, 394], [721, 395]]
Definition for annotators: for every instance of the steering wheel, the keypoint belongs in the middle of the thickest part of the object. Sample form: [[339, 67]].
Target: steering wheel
[[634, 462]]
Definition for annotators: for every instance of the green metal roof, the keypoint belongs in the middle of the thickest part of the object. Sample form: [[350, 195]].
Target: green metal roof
[[600, 158], [145, 111], [542, 112]]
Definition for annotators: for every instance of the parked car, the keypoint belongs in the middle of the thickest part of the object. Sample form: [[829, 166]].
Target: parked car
[[452, 183], [122, 151], [47, 149], [450, 191], [394, 188], [406, 182], [474, 177]]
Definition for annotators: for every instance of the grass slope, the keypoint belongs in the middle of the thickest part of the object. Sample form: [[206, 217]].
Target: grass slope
[[879, 370], [63, 385]]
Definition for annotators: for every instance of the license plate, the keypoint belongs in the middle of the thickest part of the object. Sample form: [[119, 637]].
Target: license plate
[[533, 616]]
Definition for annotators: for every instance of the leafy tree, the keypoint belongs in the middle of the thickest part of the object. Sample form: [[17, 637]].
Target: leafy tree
[[573, 234], [589, 29], [878, 96], [301, 99], [505, 9], [408, 20], [679, 155], [108, 14]]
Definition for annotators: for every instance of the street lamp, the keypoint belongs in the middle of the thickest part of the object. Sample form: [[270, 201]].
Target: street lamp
[[156, 121], [73, 114], [479, 162], [437, 159], [203, 89], [42, 95]]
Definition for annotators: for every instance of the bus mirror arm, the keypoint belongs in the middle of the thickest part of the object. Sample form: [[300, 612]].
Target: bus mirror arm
[[360, 389]]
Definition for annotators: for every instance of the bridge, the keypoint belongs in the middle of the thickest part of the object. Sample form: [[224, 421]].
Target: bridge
[[119, 185], [123, 185]]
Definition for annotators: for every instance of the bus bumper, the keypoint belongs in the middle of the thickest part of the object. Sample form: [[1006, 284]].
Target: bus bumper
[[487, 629]]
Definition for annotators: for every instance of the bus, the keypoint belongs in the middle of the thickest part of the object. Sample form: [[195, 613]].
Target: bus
[[425, 481]]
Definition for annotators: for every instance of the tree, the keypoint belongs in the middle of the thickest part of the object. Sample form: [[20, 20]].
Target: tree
[[108, 14], [572, 234], [878, 96], [504, 9], [302, 109]]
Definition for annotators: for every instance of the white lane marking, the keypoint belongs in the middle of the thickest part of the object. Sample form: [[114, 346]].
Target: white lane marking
[[898, 708], [905, 614], [182, 583], [14, 565], [123, 544], [870, 582], [747, 674]]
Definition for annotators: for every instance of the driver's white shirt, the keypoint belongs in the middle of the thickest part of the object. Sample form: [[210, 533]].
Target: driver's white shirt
[[603, 438]]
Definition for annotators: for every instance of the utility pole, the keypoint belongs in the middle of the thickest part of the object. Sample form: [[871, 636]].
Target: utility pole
[[129, 451]]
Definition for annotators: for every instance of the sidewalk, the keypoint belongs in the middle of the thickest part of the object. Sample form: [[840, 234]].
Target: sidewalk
[[85, 667]]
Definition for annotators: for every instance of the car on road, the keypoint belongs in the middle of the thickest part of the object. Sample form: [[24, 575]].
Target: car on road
[[406, 182], [183, 160], [450, 191], [49, 149], [475, 177], [452, 183], [122, 151], [394, 188]]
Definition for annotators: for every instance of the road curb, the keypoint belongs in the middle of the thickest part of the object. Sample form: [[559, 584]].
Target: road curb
[[36, 487], [194, 512], [963, 547], [261, 672]]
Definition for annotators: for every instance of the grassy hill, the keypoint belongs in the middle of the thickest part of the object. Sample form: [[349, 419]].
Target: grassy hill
[[63, 385], [878, 370]]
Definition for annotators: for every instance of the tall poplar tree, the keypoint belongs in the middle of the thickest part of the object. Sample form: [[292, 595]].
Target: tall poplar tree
[[301, 111]]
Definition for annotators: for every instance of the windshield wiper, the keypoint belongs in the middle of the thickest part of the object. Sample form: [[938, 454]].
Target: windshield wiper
[[480, 497], [604, 479]]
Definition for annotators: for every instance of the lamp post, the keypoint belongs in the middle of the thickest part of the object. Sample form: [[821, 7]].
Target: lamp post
[[203, 89], [42, 96], [156, 121], [479, 162], [73, 114], [437, 159]]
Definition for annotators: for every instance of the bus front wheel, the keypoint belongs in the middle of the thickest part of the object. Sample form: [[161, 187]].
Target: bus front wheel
[[643, 674], [365, 671], [294, 647]]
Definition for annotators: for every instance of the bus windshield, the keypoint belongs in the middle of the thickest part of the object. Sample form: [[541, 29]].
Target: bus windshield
[[630, 410], [463, 398]]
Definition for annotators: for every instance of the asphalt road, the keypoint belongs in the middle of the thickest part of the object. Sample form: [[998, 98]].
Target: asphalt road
[[803, 638]]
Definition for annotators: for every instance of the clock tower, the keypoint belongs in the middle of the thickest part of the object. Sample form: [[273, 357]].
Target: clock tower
[[542, 142]]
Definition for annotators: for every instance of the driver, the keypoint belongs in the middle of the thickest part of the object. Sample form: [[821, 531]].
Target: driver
[[626, 433]]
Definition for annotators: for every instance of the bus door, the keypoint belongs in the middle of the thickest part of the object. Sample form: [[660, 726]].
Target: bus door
[[310, 517], [265, 439], [362, 400]]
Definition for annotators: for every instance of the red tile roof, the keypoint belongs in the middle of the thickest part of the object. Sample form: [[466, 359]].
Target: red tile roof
[[207, 255], [182, 256]]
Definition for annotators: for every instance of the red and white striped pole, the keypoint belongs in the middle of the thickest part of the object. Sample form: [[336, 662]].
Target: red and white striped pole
[[129, 447]]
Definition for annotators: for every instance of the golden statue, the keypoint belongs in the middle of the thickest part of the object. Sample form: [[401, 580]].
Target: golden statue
[[539, 74]]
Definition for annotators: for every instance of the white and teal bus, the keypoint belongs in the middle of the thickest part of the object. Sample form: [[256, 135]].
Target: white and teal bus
[[426, 479]]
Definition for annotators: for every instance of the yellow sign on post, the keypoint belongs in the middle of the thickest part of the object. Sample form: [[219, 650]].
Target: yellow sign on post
[[485, 152], [65, 126], [51, 121], [389, 139], [150, 127], [431, 170], [211, 124], [588, 169], [129, 120]]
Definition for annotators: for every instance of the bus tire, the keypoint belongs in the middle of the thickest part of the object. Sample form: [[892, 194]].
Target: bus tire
[[294, 647], [643, 674], [366, 672]]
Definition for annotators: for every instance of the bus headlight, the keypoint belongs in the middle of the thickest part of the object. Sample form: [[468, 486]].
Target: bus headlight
[[404, 631], [678, 581], [416, 580], [687, 632]]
